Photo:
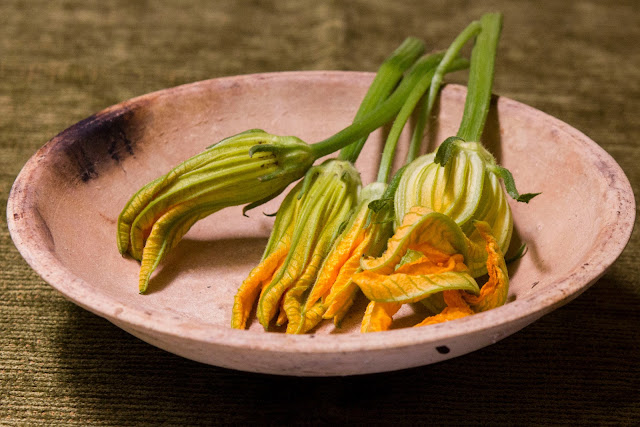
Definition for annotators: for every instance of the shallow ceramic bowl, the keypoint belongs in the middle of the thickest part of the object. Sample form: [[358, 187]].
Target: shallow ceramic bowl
[[63, 207]]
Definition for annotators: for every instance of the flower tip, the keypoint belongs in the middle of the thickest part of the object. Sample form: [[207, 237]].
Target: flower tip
[[526, 198]]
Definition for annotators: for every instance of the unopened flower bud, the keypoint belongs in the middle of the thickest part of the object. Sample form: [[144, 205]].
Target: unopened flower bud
[[251, 167]]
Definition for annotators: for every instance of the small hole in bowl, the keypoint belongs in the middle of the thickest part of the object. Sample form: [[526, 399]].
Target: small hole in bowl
[[443, 349]]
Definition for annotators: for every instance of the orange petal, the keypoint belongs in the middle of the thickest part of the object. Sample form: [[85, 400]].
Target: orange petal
[[456, 309], [339, 296], [378, 316], [494, 292], [348, 269], [420, 227], [282, 314], [426, 265], [342, 303], [407, 288], [165, 234], [258, 278], [341, 256], [310, 320]]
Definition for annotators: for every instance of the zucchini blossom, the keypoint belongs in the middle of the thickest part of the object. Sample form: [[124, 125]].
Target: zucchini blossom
[[334, 291], [306, 226], [465, 187], [317, 210], [454, 222], [328, 291], [428, 258], [250, 167]]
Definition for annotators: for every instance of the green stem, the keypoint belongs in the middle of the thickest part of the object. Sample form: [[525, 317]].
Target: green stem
[[386, 79], [469, 32], [418, 132], [483, 57], [380, 115], [388, 154]]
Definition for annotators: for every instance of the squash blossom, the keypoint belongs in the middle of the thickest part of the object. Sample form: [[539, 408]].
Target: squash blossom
[[462, 179], [250, 167], [429, 254], [366, 233], [296, 249], [307, 224], [466, 189], [334, 292], [454, 220]]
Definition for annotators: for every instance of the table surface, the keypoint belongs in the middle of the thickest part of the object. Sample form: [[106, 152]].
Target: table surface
[[63, 61]]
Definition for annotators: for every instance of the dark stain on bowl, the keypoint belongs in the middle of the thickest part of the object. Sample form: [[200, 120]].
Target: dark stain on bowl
[[98, 142]]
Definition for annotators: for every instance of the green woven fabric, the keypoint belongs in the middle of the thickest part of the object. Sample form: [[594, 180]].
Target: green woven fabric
[[61, 61]]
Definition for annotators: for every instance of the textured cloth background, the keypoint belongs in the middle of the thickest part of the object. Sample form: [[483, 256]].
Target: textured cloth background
[[61, 61]]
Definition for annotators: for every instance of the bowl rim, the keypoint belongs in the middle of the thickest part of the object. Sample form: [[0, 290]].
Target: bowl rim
[[21, 210]]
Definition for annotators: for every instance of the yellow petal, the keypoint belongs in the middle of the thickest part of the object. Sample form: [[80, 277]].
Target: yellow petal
[[272, 293], [258, 278], [282, 315], [426, 265], [344, 279], [494, 292], [346, 254], [407, 288], [378, 316], [131, 210], [420, 227], [327, 203], [456, 309], [342, 303], [165, 234], [345, 289], [312, 317], [431, 253], [292, 304], [341, 294], [290, 284]]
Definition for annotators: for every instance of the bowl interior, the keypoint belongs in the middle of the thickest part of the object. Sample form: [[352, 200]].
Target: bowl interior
[[75, 187]]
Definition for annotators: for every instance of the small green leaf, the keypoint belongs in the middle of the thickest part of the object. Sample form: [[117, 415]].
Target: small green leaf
[[377, 205], [446, 150], [390, 191], [386, 201], [342, 226], [257, 203], [510, 185], [526, 197]]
